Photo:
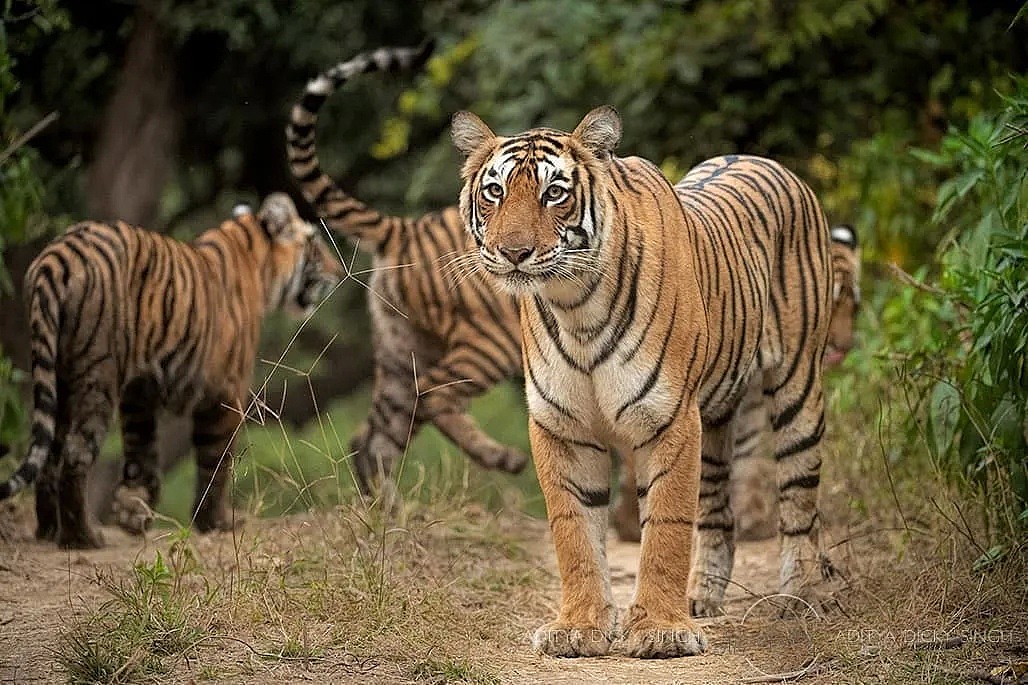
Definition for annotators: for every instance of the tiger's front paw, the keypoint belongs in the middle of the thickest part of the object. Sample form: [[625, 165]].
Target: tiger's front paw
[[131, 509], [501, 458], [647, 638], [563, 639], [222, 521], [514, 460]]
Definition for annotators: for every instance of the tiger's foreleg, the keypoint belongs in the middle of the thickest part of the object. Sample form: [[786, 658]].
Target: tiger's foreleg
[[140, 487], [658, 623], [575, 480], [715, 527], [214, 426], [445, 390]]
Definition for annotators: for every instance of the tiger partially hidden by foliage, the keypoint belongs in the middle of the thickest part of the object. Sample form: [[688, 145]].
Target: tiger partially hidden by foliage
[[442, 335], [124, 317], [753, 498], [646, 312]]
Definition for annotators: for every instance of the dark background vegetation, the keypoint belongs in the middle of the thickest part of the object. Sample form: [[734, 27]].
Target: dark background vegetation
[[907, 117]]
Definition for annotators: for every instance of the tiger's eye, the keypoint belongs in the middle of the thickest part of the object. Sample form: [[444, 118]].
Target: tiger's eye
[[554, 194], [492, 192]]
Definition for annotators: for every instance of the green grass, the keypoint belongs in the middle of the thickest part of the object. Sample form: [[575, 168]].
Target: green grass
[[282, 470], [152, 614], [435, 671]]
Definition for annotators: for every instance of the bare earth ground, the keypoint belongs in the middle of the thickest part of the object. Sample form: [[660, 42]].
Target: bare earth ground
[[44, 590]]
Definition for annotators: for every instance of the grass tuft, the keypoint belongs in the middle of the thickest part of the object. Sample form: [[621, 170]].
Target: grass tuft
[[448, 671]]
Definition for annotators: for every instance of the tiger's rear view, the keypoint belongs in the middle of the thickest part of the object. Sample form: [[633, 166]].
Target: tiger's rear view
[[123, 317]]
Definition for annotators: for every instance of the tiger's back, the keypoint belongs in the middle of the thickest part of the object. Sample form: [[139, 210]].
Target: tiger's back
[[762, 245], [138, 302]]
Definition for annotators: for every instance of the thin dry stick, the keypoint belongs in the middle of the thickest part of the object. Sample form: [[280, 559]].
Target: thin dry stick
[[811, 668], [888, 468], [28, 135], [906, 279], [948, 643]]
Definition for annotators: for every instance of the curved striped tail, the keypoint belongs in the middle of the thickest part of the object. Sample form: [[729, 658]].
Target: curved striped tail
[[44, 320], [343, 213]]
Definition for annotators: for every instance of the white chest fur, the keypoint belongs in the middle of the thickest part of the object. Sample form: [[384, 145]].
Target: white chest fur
[[620, 400]]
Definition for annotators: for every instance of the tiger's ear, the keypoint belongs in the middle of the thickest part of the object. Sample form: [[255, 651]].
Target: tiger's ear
[[280, 219], [470, 133], [600, 131]]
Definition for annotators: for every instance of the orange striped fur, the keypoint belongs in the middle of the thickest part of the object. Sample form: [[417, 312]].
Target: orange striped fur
[[123, 317], [753, 497], [442, 336], [646, 310]]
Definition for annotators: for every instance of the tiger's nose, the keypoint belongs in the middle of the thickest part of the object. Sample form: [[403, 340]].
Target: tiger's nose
[[516, 254]]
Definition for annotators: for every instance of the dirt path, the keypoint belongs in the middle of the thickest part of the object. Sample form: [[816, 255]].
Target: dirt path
[[44, 590]]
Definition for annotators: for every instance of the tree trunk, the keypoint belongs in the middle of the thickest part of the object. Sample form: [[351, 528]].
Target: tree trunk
[[139, 132]]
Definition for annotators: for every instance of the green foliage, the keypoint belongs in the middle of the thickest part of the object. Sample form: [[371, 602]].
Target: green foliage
[[154, 614], [886, 194], [21, 190], [970, 367], [12, 411]]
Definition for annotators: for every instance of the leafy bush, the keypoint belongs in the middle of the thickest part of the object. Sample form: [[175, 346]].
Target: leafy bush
[[970, 369], [21, 196]]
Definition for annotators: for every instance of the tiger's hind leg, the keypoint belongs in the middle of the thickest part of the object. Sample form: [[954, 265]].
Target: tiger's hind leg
[[715, 525], [797, 420], [391, 423], [90, 413], [215, 422], [49, 478], [47, 485], [140, 487], [752, 492]]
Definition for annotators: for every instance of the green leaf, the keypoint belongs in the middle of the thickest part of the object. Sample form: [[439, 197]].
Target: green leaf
[[943, 415]]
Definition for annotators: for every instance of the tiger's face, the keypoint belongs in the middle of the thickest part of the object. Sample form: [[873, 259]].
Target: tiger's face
[[533, 202], [303, 268], [846, 296]]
